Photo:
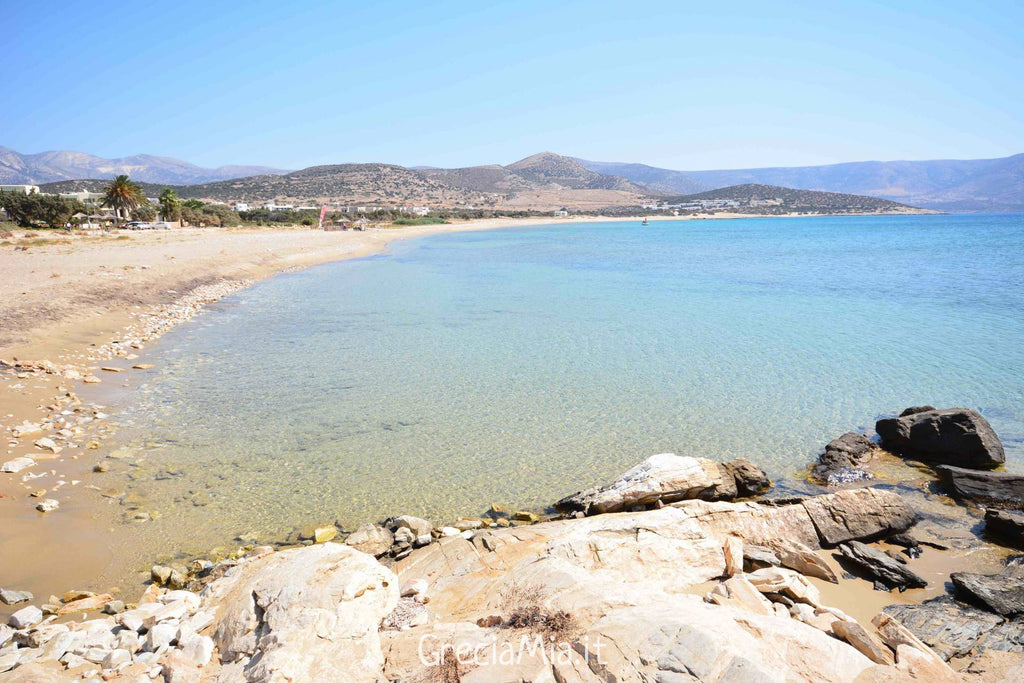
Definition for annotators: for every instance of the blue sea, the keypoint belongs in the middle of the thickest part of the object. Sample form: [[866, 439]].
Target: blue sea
[[516, 366]]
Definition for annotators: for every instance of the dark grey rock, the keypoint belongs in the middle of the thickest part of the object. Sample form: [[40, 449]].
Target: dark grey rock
[[843, 456], [1006, 527], [957, 436], [999, 593], [913, 410], [880, 566], [1006, 637], [849, 450], [994, 487], [750, 479], [904, 540], [948, 627], [913, 552]]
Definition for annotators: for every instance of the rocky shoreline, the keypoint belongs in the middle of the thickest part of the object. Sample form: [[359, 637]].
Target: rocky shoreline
[[680, 569]]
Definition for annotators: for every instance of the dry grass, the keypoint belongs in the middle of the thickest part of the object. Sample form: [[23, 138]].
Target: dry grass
[[448, 670], [525, 606]]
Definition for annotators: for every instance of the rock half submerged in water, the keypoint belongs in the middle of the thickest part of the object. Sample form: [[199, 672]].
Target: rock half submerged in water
[[667, 478], [957, 436], [976, 485]]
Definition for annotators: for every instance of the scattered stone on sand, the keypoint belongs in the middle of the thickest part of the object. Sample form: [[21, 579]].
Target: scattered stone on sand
[[17, 465], [880, 566], [26, 428], [48, 444], [143, 366], [47, 505], [110, 368], [957, 436], [85, 604], [26, 617], [323, 534], [976, 485], [1002, 594], [12, 597]]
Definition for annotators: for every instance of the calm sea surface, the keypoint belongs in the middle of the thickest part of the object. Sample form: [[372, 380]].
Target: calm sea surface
[[519, 365]]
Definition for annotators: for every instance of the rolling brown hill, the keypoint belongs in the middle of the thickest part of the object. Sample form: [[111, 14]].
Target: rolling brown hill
[[544, 181], [550, 168]]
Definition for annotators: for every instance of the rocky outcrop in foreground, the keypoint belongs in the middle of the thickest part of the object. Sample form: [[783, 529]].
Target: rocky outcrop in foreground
[[615, 597], [677, 584]]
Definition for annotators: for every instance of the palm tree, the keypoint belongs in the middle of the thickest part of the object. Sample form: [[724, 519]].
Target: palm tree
[[123, 194], [170, 205]]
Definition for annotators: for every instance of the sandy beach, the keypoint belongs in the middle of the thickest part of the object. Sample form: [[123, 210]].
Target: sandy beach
[[65, 292], [82, 307], [78, 303]]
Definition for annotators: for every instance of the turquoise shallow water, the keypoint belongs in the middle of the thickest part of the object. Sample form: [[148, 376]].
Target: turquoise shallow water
[[519, 365]]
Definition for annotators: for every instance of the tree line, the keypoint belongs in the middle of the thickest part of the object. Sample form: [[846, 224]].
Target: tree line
[[128, 202]]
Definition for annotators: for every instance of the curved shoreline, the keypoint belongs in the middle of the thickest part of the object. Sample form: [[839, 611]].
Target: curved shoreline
[[55, 385]]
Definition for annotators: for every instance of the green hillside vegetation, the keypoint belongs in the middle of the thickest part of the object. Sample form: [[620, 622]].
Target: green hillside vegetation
[[771, 199]]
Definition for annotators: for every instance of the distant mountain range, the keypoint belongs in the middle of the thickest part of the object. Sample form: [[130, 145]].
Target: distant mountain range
[[541, 183], [943, 185], [47, 167], [544, 179]]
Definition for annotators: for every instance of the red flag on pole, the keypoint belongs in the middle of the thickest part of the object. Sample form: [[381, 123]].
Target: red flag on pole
[[323, 212]]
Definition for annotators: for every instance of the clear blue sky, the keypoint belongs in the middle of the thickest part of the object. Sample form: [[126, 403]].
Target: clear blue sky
[[676, 84]]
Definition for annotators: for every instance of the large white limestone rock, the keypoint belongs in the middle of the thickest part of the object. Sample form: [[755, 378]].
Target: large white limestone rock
[[302, 614]]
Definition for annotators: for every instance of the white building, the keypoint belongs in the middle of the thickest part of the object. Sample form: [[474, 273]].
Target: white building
[[240, 206], [84, 196], [20, 189]]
